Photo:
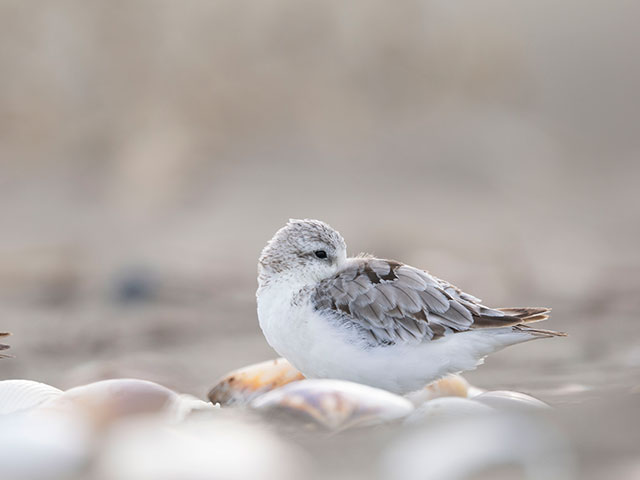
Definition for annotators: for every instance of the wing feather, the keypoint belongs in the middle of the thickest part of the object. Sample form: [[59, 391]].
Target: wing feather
[[395, 303]]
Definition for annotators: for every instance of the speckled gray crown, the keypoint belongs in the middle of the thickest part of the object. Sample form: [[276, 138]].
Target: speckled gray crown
[[294, 239]]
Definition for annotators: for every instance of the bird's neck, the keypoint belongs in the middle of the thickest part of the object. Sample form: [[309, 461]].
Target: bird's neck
[[283, 281]]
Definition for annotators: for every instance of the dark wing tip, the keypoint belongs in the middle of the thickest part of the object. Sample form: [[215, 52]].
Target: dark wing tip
[[525, 312], [511, 317]]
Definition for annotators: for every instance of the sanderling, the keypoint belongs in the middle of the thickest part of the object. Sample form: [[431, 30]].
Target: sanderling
[[374, 321]]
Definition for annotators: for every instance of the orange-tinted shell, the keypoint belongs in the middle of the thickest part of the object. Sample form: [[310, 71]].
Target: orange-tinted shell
[[243, 385], [449, 386]]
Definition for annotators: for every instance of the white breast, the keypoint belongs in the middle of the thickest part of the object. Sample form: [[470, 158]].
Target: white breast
[[297, 332], [283, 324]]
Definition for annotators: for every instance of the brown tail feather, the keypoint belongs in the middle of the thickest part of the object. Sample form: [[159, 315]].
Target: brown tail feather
[[512, 317], [519, 319]]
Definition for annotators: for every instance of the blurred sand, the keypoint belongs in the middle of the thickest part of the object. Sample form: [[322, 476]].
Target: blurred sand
[[148, 150]]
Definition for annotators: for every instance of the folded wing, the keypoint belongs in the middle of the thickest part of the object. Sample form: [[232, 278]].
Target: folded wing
[[395, 303]]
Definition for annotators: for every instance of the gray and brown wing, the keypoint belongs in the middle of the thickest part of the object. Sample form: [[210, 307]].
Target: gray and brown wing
[[395, 303]]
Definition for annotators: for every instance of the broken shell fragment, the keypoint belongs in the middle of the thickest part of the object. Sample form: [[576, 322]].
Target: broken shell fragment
[[21, 395], [510, 401], [449, 386], [332, 404], [241, 386], [187, 404]]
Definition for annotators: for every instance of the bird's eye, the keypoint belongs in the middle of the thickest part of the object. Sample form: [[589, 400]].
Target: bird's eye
[[320, 254]]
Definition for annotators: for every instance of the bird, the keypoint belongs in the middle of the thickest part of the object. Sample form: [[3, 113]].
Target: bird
[[374, 321]]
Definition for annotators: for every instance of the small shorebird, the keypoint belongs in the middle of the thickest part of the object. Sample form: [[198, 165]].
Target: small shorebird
[[374, 321]]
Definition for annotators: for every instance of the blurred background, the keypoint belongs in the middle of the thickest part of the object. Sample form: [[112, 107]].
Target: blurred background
[[149, 149]]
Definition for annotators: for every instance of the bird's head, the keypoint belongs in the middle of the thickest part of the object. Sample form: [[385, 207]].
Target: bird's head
[[302, 252]]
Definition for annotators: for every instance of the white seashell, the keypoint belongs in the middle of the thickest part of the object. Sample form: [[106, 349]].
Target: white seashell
[[21, 395], [449, 386], [211, 448], [514, 401], [241, 386], [104, 402], [471, 447], [333, 404], [448, 408], [36, 447]]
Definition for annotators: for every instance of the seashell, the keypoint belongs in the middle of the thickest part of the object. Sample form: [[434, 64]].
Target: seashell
[[221, 448], [56, 447], [448, 408], [104, 402], [21, 395], [332, 404], [475, 447], [241, 386], [449, 386], [514, 401]]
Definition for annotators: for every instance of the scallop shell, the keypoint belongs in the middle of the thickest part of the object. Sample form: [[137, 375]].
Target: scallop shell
[[21, 395], [241, 386], [332, 404], [513, 401]]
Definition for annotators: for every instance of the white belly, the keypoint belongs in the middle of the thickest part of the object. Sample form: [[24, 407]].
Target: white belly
[[299, 334], [319, 349]]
